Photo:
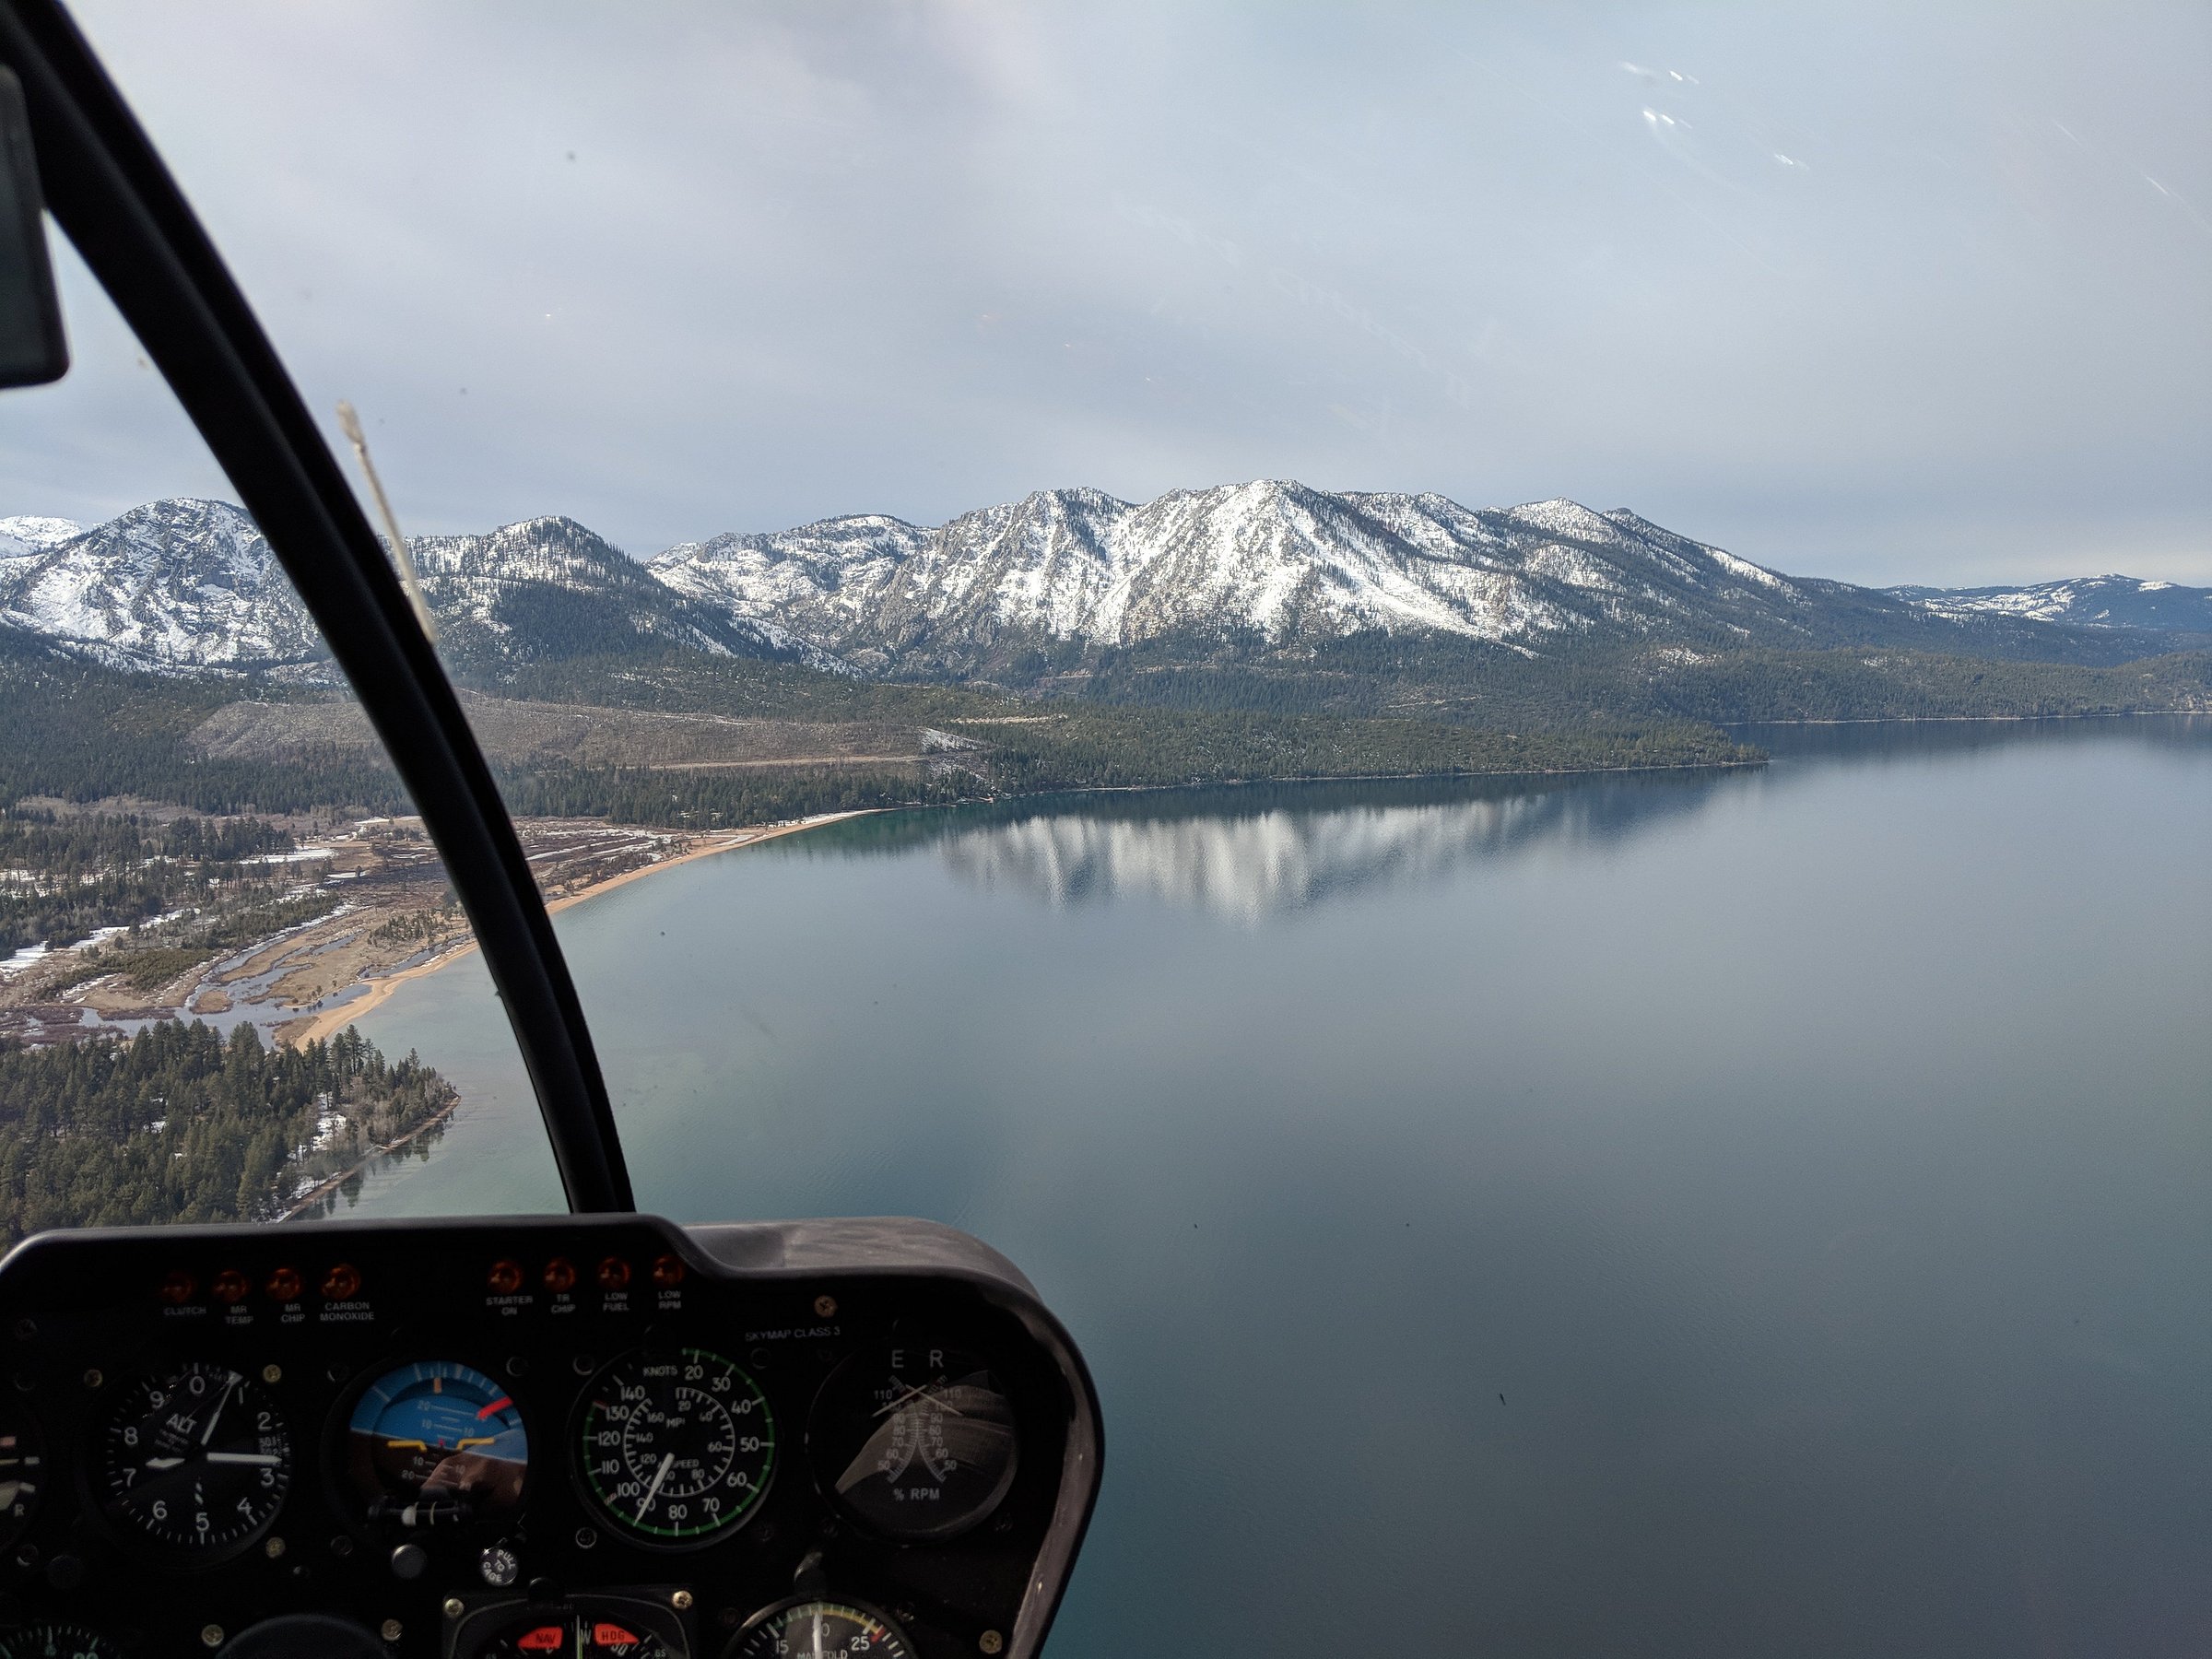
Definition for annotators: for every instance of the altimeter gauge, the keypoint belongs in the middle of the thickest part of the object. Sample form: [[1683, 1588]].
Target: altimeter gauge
[[196, 1460], [675, 1447]]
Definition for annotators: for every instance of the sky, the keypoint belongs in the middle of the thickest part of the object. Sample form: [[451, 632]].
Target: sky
[[1892, 293]]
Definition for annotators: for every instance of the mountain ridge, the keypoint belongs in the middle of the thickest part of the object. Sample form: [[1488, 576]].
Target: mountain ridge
[[1265, 570], [2107, 600]]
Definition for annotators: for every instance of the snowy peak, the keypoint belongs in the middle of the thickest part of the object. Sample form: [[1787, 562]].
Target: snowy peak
[[185, 584], [171, 584], [24, 536], [2083, 600]]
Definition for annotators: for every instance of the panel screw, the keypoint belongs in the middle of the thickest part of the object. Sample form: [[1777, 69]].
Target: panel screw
[[95, 1378], [26, 1329], [271, 1373], [681, 1601], [391, 1630], [273, 1548], [991, 1641], [586, 1537], [453, 1607], [825, 1307], [211, 1636]]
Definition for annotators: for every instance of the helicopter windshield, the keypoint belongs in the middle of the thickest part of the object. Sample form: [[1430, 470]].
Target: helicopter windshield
[[1432, 704]]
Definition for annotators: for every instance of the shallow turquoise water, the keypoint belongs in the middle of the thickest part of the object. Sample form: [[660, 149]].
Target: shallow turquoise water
[[1748, 1213]]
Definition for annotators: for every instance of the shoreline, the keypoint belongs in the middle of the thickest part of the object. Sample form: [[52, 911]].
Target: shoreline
[[1730, 725], [328, 1023]]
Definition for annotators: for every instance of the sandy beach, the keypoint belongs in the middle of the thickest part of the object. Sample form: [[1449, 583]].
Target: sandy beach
[[328, 1023]]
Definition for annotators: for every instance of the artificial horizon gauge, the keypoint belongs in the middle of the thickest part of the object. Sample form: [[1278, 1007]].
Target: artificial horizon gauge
[[675, 1447], [196, 1459], [914, 1440], [808, 1627], [22, 1470], [435, 1444], [56, 1642]]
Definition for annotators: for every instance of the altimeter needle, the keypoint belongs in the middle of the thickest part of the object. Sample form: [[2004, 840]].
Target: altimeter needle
[[163, 1462], [214, 1417], [659, 1474]]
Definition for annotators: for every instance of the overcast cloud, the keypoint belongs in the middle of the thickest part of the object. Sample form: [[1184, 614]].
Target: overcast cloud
[[1891, 293]]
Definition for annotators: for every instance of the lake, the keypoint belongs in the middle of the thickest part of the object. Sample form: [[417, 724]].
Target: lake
[[1761, 1212]]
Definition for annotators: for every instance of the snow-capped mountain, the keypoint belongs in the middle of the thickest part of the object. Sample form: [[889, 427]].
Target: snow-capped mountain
[[190, 585], [2085, 600], [1270, 565], [1028, 587], [171, 584]]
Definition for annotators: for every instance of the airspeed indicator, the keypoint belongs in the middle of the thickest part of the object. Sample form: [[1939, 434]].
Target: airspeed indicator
[[675, 1447]]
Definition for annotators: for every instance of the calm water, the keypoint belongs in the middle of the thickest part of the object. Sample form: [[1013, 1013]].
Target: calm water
[[1765, 1213]]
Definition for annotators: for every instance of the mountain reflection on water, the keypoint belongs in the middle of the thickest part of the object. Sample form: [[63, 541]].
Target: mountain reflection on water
[[1268, 850], [1247, 852]]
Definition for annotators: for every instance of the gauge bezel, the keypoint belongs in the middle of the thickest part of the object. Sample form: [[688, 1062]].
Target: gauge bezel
[[103, 1502], [825, 1479], [338, 1439], [110, 1645], [16, 1521], [734, 1647], [625, 1528]]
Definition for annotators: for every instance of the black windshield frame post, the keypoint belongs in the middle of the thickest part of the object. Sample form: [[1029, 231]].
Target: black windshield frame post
[[109, 190]]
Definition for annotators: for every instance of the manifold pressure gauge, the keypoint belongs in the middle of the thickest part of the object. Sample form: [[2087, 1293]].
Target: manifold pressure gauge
[[811, 1627]]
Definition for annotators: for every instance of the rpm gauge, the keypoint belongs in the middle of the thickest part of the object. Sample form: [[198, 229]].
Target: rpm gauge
[[914, 1440], [434, 1443], [809, 1627], [675, 1447], [196, 1460]]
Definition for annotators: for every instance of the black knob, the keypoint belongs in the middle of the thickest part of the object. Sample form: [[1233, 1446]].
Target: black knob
[[410, 1561], [65, 1572]]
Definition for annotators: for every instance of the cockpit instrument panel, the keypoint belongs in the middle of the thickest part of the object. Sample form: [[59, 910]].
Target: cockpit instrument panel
[[597, 1437]]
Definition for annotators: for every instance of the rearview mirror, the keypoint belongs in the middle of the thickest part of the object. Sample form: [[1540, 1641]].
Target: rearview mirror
[[32, 347]]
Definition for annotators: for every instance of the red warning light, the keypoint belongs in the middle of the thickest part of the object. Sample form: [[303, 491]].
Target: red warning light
[[667, 1272], [560, 1276], [505, 1278], [285, 1284], [230, 1285], [614, 1274], [342, 1283], [176, 1289], [544, 1639]]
